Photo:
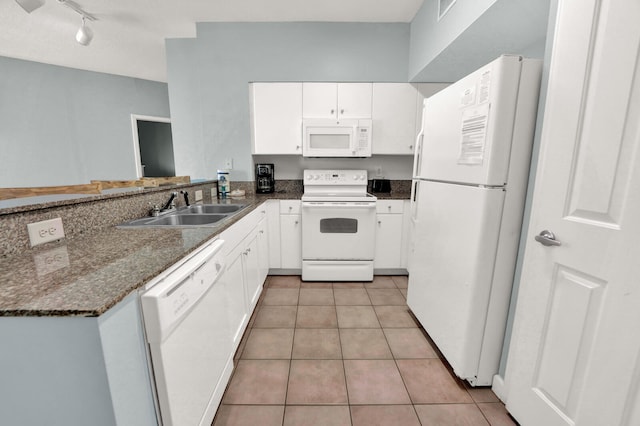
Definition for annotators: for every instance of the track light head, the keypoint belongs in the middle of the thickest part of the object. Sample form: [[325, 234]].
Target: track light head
[[30, 5], [84, 34]]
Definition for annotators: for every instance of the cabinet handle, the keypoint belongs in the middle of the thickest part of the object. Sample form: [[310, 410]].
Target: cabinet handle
[[261, 231], [389, 208], [332, 111], [297, 147], [411, 147], [341, 111], [379, 222], [296, 222]]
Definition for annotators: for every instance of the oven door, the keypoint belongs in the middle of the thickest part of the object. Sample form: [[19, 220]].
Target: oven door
[[333, 230]]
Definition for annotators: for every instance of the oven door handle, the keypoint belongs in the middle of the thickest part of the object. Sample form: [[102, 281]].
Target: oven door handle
[[339, 204]]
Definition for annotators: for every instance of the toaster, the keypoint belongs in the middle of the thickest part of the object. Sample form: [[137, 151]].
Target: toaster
[[381, 185]]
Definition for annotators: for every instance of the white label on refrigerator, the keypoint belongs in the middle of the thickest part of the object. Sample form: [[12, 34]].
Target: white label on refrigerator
[[468, 97], [485, 87], [473, 134]]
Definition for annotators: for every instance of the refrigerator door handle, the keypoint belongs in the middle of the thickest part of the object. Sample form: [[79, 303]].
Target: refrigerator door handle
[[414, 200], [417, 156]]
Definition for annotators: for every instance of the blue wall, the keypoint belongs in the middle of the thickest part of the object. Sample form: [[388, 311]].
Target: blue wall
[[472, 34], [209, 77], [62, 126]]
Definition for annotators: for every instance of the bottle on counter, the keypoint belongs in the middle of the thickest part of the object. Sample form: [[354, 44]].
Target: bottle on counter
[[223, 183]]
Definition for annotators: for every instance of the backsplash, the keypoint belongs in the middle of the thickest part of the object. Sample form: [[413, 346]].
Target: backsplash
[[86, 215]]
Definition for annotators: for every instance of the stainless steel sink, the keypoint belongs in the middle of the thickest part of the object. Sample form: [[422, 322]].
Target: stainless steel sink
[[212, 208], [197, 215], [178, 219]]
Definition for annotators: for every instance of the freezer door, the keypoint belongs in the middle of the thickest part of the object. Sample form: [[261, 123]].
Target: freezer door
[[456, 231], [468, 127]]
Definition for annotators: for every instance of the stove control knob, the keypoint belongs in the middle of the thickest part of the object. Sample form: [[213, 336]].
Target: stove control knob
[[316, 177]]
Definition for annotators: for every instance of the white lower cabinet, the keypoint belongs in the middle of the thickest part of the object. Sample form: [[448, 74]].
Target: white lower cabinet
[[237, 310], [290, 234], [246, 242], [390, 240]]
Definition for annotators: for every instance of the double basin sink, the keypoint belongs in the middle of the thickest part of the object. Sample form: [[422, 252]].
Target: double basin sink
[[196, 215]]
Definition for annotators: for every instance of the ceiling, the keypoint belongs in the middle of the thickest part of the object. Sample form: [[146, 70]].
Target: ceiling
[[129, 35]]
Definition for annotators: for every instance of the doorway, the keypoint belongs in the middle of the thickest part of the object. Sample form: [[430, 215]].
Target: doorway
[[153, 146]]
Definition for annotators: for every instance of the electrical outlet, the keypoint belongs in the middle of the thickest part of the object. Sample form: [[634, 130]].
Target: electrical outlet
[[45, 231], [198, 195], [228, 164]]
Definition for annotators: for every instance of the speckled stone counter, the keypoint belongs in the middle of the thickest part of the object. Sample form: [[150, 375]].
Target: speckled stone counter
[[88, 274]]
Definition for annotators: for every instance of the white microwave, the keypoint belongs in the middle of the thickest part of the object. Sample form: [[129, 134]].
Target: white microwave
[[336, 138]]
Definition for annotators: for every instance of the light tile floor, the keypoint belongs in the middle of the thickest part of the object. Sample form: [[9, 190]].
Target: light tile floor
[[346, 354]]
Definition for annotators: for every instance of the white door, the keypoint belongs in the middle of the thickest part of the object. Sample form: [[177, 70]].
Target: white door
[[473, 143], [354, 100], [319, 100], [276, 117], [453, 277], [575, 352], [394, 118], [338, 230]]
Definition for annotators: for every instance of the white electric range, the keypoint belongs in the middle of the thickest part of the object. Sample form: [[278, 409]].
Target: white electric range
[[338, 226]]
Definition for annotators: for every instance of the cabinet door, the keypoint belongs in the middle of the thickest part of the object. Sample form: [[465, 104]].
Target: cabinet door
[[354, 100], [319, 100], [388, 241], [291, 241], [251, 267], [235, 292], [276, 118], [394, 118]]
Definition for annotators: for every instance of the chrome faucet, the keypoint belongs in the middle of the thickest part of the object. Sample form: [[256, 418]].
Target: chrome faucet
[[171, 203]]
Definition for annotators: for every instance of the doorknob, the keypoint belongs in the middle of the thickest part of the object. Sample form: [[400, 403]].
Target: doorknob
[[546, 238]]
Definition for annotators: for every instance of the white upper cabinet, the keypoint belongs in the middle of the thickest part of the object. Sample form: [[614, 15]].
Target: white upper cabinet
[[394, 118], [336, 100], [276, 118]]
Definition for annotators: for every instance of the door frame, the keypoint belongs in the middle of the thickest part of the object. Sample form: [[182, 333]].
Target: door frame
[[136, 140]]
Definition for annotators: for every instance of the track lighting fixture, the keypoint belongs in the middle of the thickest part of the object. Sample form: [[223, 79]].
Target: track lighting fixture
[[84, 34]]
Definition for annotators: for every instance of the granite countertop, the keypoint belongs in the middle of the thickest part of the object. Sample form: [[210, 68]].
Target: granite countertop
[[86, 276]]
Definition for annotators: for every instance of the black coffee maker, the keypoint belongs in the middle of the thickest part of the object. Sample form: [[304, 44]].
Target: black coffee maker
[[265, 183]]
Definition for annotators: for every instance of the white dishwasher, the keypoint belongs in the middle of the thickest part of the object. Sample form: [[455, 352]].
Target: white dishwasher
[[185, 319]]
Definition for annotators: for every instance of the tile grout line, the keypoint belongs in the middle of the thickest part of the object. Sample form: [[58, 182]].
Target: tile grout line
[[344, 368]]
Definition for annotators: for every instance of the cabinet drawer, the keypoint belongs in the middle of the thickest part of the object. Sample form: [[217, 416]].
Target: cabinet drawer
[[290, 206], [390, 206]]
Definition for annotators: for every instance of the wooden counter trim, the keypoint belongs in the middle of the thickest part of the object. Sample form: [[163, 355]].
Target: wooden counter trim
[[89, 188], [110, 184]]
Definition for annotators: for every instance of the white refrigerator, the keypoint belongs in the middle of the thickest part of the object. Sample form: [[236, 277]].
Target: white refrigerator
[[469, 182]]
